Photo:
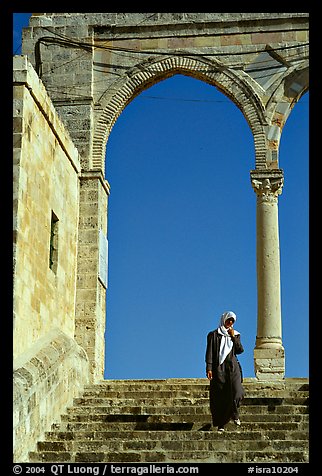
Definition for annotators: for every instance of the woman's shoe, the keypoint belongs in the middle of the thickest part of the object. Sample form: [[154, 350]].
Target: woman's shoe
[[221, 429], [237, 422]]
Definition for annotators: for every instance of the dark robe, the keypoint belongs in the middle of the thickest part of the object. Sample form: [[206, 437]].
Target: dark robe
[[226, 391]]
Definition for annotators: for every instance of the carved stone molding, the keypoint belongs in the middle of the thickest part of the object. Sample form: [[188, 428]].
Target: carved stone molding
[[267, 184]]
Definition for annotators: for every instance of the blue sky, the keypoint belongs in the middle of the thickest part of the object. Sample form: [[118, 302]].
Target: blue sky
[[182, 230]]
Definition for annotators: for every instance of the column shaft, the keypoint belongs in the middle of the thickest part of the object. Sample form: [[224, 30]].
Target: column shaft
[[268, 276]]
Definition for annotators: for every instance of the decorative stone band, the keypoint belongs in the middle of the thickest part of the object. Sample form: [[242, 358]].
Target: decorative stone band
[[267, 184], [271, 342]]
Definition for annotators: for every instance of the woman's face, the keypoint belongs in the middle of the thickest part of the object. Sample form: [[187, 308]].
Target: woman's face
[[229, 322]]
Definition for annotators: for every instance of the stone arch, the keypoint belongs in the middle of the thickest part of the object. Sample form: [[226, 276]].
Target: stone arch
[[80, 79], [144, 75]]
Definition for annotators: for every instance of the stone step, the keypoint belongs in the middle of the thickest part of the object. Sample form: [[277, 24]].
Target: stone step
[[297, 398], [158, 400], [169, 421], [240, 433], [185, 386], [188, 385], [183, 410], [289, 382], [75, 416], [171, 457], [172, 426], [218, 444]]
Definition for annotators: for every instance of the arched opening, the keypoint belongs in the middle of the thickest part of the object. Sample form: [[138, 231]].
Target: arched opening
[[294, 239], [181, 230], [185, 149]]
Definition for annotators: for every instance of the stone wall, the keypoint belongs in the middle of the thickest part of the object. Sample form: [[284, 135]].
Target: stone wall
[[50, 368], [46, 213], [46, 379]]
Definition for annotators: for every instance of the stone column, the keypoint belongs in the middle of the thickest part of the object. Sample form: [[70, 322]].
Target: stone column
[[269, 358]]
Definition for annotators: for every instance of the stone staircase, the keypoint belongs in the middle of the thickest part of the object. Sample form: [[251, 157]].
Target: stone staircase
[[168, 421]]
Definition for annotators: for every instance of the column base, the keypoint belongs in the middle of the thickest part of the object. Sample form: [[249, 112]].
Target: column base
[[269, 364]]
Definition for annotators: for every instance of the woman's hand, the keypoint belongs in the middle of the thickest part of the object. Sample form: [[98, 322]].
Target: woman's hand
[[231, 332], [209, 374]]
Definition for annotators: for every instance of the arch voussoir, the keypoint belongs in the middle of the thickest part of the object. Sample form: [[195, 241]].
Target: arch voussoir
[[152, 72]]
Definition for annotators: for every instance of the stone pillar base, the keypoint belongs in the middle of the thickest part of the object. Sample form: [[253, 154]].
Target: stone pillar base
[[269, 364]]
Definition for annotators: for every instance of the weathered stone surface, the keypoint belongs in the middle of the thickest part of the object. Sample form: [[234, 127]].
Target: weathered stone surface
[[43, 391], [46, 180], [169, 421]]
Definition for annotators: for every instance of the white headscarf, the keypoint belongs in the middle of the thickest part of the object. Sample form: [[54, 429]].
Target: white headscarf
[[226, 344]]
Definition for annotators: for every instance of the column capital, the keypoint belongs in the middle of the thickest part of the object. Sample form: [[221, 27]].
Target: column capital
[[267, 183]]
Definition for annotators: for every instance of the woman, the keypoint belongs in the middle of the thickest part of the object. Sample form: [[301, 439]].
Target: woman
[[224, 371]]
